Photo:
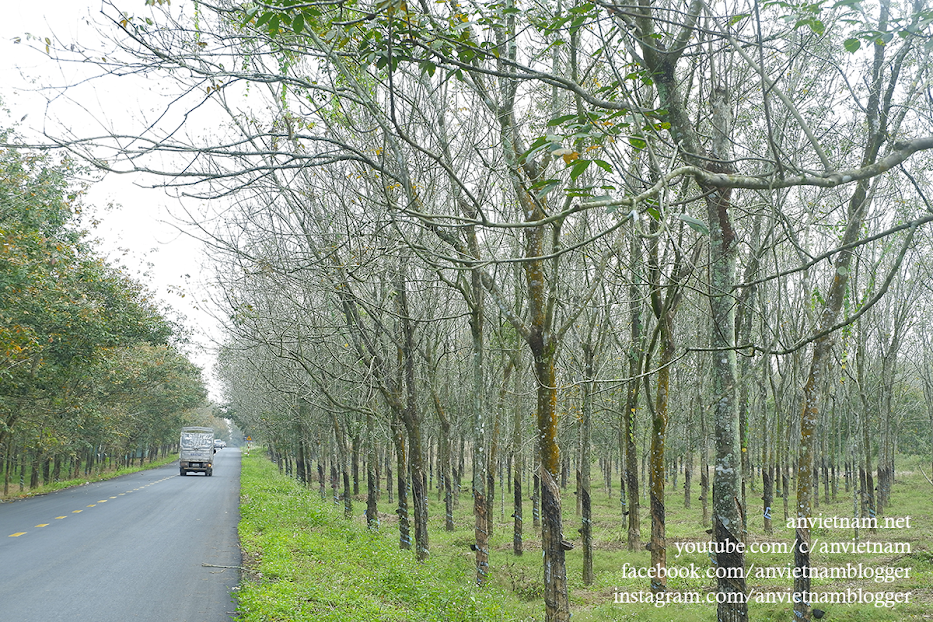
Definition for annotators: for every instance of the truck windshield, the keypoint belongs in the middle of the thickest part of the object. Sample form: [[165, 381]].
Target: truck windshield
[[197, 440]]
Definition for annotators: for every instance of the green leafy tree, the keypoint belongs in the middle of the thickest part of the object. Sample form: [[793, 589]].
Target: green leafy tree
[[74, 330]]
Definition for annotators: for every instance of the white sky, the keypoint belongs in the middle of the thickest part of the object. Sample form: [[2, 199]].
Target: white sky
[[140, 233]]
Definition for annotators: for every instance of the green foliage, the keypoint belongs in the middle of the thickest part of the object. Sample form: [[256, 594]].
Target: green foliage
[[86, 357], [849, 15], [60, 304], [694, 223], [145, 392]]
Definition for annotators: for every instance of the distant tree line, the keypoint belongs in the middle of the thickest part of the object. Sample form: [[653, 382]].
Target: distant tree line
[[91, 374]]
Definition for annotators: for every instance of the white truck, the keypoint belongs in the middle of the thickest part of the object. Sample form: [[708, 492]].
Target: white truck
[[197, 451]]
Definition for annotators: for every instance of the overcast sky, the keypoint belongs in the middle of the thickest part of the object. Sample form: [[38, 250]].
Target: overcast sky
[[141, 230]]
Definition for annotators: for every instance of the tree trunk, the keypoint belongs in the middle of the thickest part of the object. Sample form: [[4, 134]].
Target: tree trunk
[[347, 497], [320, 476], [300, 463], [629, 422], [343, 458], [555, 572], [493, 456], [411, 417], [389, 484], [876, 114], [536, 499], [728, 515], [518, 463], [743, 335], [623, 499], [404, 528], [657, 471], [355, 462], [7, 465], [704, 468], [480, 461], [444, 451], [34, 472], [372, 476], [688, 461], [517, 543], [767, 497], [586, 530]]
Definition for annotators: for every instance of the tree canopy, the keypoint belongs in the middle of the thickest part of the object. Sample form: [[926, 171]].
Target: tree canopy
[[87, 358]]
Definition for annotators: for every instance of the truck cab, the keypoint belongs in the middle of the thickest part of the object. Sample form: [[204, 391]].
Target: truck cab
[[197, 451]]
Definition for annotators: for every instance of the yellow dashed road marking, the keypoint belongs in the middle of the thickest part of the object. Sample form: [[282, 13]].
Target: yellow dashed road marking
[[21, 533], [91, 505]]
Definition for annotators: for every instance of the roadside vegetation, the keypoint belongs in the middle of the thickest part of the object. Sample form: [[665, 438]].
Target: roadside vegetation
[[304, 561], [93, 378], [19, 490]]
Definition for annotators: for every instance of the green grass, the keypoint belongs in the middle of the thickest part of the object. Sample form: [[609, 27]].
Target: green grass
[[80, 481], [309, 563], [306, 562]]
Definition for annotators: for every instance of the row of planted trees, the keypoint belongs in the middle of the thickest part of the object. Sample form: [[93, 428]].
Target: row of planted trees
[[554, 230], [295, 378], [90, 373]]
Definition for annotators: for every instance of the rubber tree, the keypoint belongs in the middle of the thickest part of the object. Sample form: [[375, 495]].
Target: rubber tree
[[881, 118]]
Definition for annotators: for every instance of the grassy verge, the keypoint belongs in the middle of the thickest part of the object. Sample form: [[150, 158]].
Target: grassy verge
[[309, 563], [81, 481]]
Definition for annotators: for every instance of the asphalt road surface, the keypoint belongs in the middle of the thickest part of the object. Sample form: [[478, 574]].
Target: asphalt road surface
[[132, 548]]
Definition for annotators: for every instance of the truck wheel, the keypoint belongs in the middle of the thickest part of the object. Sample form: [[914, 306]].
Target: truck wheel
[[210, 472], [182, 472]]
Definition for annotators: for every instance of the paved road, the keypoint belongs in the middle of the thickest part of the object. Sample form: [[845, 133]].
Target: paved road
[[131, 548]]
